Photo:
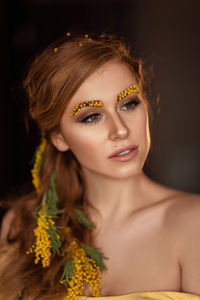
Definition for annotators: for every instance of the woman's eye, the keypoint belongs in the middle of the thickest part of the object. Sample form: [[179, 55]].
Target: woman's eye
[[131, 104], [90, 118], [93, 118]]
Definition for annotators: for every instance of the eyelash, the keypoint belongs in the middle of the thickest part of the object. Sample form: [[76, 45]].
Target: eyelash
[[85, 119]]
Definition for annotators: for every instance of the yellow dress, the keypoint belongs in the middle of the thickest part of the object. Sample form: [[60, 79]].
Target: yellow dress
[[163, 295]]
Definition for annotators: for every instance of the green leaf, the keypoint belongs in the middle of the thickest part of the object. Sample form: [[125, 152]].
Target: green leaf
[[96, 255], [68, 272], [49, 204], [53, 232], [54, 213], [83, 219], [56, 243], [40, 161], [52, 198], [19, 297], [35, 212]]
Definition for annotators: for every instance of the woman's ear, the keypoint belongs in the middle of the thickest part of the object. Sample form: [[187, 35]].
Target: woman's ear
[[58, 141]]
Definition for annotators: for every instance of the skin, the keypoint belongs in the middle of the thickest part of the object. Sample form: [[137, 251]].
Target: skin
[[92, 144], [140, 224]]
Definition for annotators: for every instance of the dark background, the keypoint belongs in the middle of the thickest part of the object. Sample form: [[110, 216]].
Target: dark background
[[164, 33]]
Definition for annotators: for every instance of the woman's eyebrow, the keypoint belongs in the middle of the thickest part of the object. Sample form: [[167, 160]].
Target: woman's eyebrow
[[131, 89], [82, 104]]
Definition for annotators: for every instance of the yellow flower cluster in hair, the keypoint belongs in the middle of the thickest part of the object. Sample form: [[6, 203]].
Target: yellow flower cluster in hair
[[35, 171], [131, 89], [42, 246], [85, 271], [85, 103]]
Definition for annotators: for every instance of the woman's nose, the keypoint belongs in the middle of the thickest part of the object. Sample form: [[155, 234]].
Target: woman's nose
[[117, 127]]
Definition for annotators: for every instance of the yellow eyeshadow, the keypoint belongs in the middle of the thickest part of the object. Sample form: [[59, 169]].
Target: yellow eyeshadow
[[131, 89], [85, 103]]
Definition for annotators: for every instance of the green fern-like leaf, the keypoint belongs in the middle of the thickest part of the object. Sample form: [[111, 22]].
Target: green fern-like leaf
[[56, 242], [68, 272], [96, 255], [52, 198], [35, 212], [83, 219], [49, 205], [19, 297]]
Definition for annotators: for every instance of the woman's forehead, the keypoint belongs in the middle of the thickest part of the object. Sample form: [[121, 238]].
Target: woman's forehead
[[108, 81]]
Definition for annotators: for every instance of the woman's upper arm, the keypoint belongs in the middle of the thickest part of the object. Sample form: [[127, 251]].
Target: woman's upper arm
[[190, 246]]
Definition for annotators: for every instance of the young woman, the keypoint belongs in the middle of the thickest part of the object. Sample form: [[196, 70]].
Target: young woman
[[95, 226]]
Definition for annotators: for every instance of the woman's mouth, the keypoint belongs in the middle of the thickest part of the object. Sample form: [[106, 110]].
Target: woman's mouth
[[125, 155]]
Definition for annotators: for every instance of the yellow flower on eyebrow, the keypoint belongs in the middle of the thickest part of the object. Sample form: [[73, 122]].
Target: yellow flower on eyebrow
[[132, 89], [85, 103]]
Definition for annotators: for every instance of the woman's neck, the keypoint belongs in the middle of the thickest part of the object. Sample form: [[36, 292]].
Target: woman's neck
[[115, 199]]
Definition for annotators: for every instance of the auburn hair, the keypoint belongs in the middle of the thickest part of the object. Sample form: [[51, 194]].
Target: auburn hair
[[53, 78]]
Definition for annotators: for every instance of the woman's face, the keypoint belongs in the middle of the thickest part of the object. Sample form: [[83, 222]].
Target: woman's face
[[97, 131]]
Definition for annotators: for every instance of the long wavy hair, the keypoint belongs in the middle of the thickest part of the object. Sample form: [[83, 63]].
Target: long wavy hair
[[53, 78]]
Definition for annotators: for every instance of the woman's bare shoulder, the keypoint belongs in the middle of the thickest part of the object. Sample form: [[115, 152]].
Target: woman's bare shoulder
[[184, 215], [182, 218], [183, 206], [179, 209]]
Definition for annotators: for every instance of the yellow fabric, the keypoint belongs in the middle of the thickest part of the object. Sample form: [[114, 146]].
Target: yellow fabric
[[163, 295]]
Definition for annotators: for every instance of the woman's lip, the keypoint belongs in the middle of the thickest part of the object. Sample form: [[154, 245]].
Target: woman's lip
[[125, 157], [122, 149]]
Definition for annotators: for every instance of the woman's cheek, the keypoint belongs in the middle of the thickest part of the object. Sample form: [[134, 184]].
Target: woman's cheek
[[83, 143]]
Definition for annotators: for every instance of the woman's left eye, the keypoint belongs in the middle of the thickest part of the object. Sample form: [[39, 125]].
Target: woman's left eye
[[131, 104]]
